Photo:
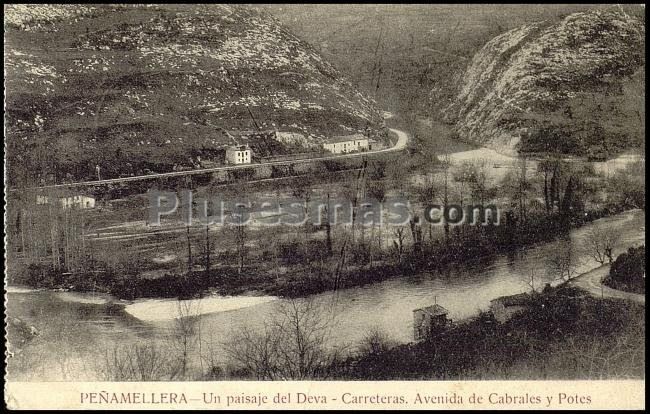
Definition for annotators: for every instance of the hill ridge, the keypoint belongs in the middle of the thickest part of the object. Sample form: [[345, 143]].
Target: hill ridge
[[524, 90], [132, 87]]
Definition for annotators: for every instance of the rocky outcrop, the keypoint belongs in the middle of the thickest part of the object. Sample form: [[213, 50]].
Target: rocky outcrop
[[573, 86]]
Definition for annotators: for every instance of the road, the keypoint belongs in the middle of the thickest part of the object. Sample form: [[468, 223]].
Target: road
[[591, 282], [402, 141]]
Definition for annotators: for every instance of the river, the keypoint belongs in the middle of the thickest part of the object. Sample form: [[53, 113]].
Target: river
[[76, 329]]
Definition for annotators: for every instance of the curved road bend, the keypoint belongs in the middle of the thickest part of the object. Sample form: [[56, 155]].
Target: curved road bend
[[402, 140], [591, 282]]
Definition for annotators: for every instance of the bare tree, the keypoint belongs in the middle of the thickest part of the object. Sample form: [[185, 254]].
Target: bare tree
[[461, 176], [600, 360], [328, 227], [135, 362], [599, 244], [445, 198], [377, 192], [375, 342], [398, 244], [547, 167], [189, 253], [304, 331], [254, 352], [477, 178], [183, 336], [302, 191], [427, 193], [523, 189], [561, 265], [50, 226], [416, 233], [341, 263], [206, 251], [291, 346], [238, 228], [211, 362]]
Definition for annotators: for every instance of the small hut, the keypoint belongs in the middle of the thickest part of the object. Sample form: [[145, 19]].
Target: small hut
[[429, 320]]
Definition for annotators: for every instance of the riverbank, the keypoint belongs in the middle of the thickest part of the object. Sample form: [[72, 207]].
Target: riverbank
[[310, 272], [86, 331], [562, 334]]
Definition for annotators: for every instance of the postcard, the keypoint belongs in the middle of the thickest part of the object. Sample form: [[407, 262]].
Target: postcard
[[324, 206]]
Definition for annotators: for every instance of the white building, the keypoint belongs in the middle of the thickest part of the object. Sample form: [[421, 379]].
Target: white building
[[240, 154], [79, 201], [347, 143]]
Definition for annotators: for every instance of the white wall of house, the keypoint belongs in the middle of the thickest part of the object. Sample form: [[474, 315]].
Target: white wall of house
[[238, 156], [78, 201], [347, 146]]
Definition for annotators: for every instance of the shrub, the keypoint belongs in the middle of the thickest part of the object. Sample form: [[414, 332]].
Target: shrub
[[628, 271], [375, 342], [40, 275]]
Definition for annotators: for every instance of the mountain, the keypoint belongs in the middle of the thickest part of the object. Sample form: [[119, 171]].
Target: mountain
[[131, 88], [394, 52], [574, 86]]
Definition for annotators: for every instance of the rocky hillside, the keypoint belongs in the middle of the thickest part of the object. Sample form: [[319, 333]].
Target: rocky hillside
[[131, 88], [575, 86]]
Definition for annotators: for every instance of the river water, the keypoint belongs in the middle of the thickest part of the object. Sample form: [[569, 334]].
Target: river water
[[76, 328]]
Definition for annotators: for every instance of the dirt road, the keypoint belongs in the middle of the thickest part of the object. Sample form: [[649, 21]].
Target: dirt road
[[402, 140], [591, 282]]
